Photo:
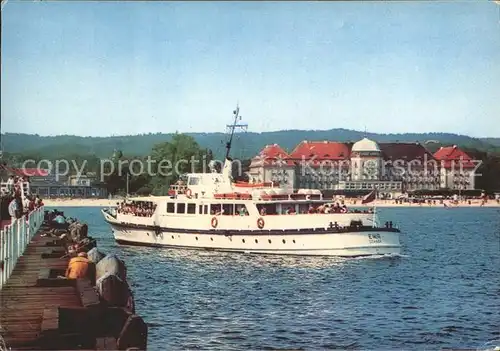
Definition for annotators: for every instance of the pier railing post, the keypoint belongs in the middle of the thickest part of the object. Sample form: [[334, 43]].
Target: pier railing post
[[2, 257], [18, 241], [14, 238], [11, 250]]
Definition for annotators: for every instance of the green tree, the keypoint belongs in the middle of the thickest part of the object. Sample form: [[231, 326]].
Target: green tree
[[174, 158]]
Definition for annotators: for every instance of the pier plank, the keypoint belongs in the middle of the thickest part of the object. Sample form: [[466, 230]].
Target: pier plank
[[38, 311], [23, 304]]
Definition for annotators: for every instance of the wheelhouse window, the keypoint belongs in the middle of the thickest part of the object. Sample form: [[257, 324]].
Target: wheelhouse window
[[194, 181], [191, 208], [181, 208], [170, 207]]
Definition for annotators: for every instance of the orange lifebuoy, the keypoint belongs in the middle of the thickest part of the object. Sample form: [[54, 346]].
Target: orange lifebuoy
[[189, 193], [260, 223], [214, 222]]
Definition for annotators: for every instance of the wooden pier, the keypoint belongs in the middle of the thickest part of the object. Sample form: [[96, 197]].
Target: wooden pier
[[39, 311]]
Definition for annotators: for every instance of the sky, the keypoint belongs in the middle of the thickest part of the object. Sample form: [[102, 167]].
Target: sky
[[119, 68]]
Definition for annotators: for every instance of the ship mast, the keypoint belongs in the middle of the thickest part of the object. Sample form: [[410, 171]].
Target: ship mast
[[232, 128]]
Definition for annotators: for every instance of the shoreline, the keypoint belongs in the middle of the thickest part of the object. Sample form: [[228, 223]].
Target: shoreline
[[63, 203]]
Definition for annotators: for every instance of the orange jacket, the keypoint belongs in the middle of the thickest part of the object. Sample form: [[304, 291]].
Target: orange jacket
[[78, 267]]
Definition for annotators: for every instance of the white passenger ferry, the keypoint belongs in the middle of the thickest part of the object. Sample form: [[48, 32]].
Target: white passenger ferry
[[211, 211]]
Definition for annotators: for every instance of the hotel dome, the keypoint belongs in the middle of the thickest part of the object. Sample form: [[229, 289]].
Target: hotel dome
[[365, 145]]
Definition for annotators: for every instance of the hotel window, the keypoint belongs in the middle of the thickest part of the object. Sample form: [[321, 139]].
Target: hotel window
[[170, 207], [181, 208], [191, 208]]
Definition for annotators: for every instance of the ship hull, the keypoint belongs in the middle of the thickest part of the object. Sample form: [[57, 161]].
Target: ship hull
[[349, 243]]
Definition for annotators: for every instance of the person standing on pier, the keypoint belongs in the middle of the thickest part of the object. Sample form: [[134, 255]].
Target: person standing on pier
[[16, 207]]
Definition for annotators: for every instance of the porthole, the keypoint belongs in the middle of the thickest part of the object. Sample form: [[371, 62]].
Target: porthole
[[269, 241], [172, 236], [256, 241], [284, 241], [212, 239], [243, 241], [196, 238], [293, 241]]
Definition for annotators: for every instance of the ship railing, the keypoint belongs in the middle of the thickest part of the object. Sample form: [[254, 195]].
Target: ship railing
[[14, 238]]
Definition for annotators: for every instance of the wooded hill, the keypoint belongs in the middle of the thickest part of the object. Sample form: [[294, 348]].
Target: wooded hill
[[246, 145]]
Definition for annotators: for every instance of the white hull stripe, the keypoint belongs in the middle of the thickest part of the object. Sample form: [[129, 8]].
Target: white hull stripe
[[227, 232], [130, 242]]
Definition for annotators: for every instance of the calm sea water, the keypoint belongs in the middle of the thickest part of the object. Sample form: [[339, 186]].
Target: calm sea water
[[443, 292]]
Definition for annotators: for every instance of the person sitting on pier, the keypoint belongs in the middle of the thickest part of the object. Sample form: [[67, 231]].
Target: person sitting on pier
[[78, 267]]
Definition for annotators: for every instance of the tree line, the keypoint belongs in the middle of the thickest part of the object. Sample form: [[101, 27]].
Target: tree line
[[113, 169]]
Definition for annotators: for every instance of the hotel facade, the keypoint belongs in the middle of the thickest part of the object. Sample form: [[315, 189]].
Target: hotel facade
[[392, 168]]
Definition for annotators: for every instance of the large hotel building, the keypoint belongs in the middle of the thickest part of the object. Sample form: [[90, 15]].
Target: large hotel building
[[390, 167]]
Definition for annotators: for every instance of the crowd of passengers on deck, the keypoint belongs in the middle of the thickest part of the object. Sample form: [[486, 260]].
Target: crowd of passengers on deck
[[311, 209], [137, 208], [284, 209]]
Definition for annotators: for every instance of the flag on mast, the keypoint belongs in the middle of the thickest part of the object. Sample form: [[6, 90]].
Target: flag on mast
[[369, 197]]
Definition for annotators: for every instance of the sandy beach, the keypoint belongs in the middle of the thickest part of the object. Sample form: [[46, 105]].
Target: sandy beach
[[379, 203]]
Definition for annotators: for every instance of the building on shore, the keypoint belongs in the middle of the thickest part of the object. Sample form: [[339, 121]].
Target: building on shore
[[45, 184], [392, 168]]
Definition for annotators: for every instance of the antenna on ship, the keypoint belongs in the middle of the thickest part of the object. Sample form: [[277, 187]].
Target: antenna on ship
[[232, 127]]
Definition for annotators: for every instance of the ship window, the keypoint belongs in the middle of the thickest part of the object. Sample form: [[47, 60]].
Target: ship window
[[215, 209], [191, 208], [228, 209], [241, 210], [269, 209], [194, 180], [181, 208], [203, 209], [170, 207]]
